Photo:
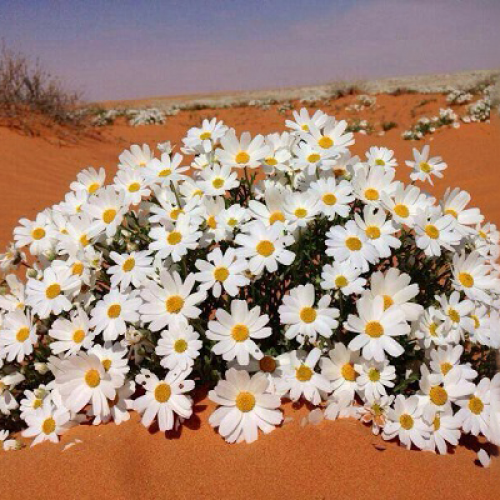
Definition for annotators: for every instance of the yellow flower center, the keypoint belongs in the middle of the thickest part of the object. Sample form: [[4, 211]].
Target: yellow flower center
[[242, 157], [92, 378], [348, 372], [240, 332], [38, 233], [402, 211], [432, 231], [380, 162], [341, 281], [48, 426], [313, 158], [466, 279], [445, 367], [180, 346], [374, 375], [353, 243], [308, 314], [174, 238], [245, 401], [477, 323], [77, 269], [174, 304], [218, 182], [436, 422], [438, 395], [406, 421], [211, 222], [276, 216], [476, 406], [325, 142], [197, 192], [78, 336], [374, 329], [129, 264], [109, 215], [52, 291], [22, 334], [271, 161], [300, 213], [84, 241], [303, 373], [232, 222], [265, 248], [388, 302], [162, 392], [37, 403], [267, 364], [221, 273], [106, 364], [114, 311], [134, 187], [371, 194], [483, 235], [205, 136], [373, 232], [425, 167], [305, 127], [454, 315], [174, 214], [450, 211], [93, 187], [329, 199], [165, 173]]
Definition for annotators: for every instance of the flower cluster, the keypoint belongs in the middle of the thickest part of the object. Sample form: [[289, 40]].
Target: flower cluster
[[281, 267], [363, 101], [458, 96], [425, 126], [150, 116], [479, 111]]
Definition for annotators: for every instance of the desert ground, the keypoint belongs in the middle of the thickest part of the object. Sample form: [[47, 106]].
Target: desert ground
[[340, 459]]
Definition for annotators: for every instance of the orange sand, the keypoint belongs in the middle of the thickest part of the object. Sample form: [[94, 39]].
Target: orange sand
[[333, 460]]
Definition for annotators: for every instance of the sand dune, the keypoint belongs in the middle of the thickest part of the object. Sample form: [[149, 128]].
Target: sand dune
[[332, 460]]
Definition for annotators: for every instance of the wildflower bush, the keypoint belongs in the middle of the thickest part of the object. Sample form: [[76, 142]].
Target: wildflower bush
[[150, 116], [425, 126], [266, 269]]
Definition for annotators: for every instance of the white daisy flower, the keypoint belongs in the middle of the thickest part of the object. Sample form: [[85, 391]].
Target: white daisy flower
[[235, 331], [178, 346], [222, 272], [300, 379], [77, 236], [445, 429], [304, 319], [475, 410], [454, 203], [246, 152], [204, 137], [89, 180], [72, 204], [382, 157], [396, 289], [174, 239], [232, 219], [424, 167], [17, 336], [113, 358], [474, 277], [378, 230], [166, 170], [279, 152], [435, 231], [332, 137], [39, 235], [340, 405], [405, 421], [300, 209], [7, 383], [376, 327], [164, 399], [132, 269], [52, 294], [350, 244], [339, 369], [443, 359], [245, 406], [457, 315], [430, 328], [82, 380], [265, 247], [369, 183], [113, 312], [374, 410], [16, 299], [215, 181], [118, 410], [344, 277], [168, 299], [133, 185], [303, 120], [374, 378], [334, 198], [107, 209], [135, 158], [272, 210], [71, 335], [46, 423]]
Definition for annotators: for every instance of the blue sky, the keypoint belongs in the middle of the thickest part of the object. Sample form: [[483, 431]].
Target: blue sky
[[130, 49]]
